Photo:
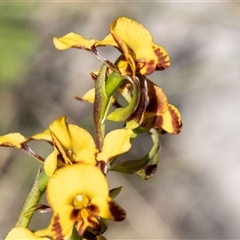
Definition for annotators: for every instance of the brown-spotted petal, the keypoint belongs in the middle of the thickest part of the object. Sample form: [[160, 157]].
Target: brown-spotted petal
[[170, 121], [158, 103], [62, 222], [86, 219], [163, 57], [107, 208], [135, 40], [14, 140]]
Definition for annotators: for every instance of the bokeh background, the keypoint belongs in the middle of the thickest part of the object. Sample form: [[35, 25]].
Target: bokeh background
[[195, 193]]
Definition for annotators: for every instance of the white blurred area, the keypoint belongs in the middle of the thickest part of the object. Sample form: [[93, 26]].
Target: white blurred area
[[195, 193]]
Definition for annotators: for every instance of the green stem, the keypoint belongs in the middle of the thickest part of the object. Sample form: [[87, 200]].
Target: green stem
[[33, 198]]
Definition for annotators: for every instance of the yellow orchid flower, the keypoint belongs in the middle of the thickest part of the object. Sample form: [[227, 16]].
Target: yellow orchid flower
[[137, 46], [73, 144], [139, 53], [18, 233], [78, 196]]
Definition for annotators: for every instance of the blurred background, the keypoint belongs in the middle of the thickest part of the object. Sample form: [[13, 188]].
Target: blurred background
[[195, 193]]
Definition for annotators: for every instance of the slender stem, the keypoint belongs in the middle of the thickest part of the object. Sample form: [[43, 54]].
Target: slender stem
[[33, 198], [30, 152]]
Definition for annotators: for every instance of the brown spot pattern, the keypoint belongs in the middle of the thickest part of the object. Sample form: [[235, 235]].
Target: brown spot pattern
[[157, 99], [56, 228], [118, 213], [150, 67], [176, 122], [93, 209], [74, 214], [162, 62], [91, 221]]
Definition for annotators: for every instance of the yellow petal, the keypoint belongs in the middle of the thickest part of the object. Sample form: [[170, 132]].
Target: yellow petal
[[107, 41], [115, 143], [89, 96], [62, 222], [86, 219], [172, 120], [22, 233], [45, 135], [163, 58], [68, 182], [73, 40], [107, 208], [50, 164], [132, 33], [137, 38], [82, 144], [12, 140], [61, 150], [59, 128], [158, 103]]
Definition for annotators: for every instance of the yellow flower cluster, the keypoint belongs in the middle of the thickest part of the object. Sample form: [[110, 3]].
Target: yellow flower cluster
[[77, 190]]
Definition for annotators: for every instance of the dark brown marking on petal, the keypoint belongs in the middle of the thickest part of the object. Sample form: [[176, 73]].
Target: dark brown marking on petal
[[80, 225], [93, 209], [93, 222], [150, 67], [57, 228], [157, 99], [153, 122], [158, 121], [118, 213], [102, 165], [162, 62], [74, 214], [176, 122]]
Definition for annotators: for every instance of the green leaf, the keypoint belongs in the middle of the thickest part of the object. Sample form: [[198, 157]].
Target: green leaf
[[130, 166], [114, 192], [123, 113]]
